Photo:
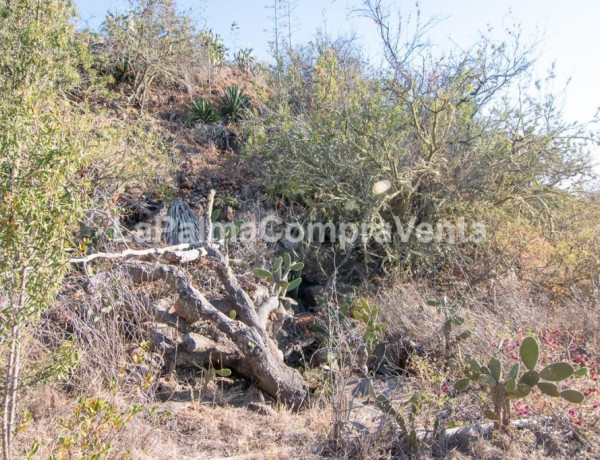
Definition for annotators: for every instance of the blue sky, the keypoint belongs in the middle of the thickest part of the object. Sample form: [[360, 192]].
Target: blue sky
[[568, 30]]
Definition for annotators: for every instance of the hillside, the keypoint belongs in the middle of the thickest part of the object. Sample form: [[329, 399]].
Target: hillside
[[206, 256]]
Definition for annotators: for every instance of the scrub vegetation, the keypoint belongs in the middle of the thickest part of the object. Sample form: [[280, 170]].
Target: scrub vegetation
[[433, 291]]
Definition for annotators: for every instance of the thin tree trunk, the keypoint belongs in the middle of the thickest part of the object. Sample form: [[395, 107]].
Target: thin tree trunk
[[9, 403], [6, 403]]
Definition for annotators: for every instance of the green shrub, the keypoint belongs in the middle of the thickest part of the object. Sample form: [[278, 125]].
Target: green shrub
[[438, 133], [151, 44], [88, 433], [121, 156], [41, 193]]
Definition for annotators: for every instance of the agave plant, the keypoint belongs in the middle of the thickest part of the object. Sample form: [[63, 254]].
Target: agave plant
[[234, 103], [122, 71], [504, 388], [202, 110]]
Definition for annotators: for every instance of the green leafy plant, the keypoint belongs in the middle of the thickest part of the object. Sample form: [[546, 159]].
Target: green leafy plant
[[452, 318], [202, 110], [234, 103], [329, 155], [214, 46], [408, 430], [210, 373], [243, 59], [56, 366], [148, 163], [278, 276], [226, 199], [514, 385], [41, 193], [368, 315], [91, 428], [32, 451]]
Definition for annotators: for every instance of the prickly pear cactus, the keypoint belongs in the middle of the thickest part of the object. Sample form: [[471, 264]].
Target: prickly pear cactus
[[515, 385], [281, 268], [452, 319]]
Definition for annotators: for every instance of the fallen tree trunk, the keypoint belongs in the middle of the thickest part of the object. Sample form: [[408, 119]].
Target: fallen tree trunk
[[262, 356], [259, 357], [200, 350]]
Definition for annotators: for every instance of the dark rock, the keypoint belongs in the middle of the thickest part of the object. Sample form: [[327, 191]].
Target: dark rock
[[185, 184]]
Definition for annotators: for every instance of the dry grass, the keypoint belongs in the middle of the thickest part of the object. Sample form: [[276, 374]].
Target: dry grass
[[182, 418], [188, 430]]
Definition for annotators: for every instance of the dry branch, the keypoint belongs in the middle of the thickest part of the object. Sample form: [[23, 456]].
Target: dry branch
[[186, 252], [484, 429]]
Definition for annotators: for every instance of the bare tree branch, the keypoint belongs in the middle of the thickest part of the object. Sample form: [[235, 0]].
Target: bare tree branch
[[186, 252]]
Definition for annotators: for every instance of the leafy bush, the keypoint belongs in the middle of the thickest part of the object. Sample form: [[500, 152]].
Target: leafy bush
[[202, 110], [234, 103], [89, 431], [151, 44], [439, 133], [119, 157], [40, 190]]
